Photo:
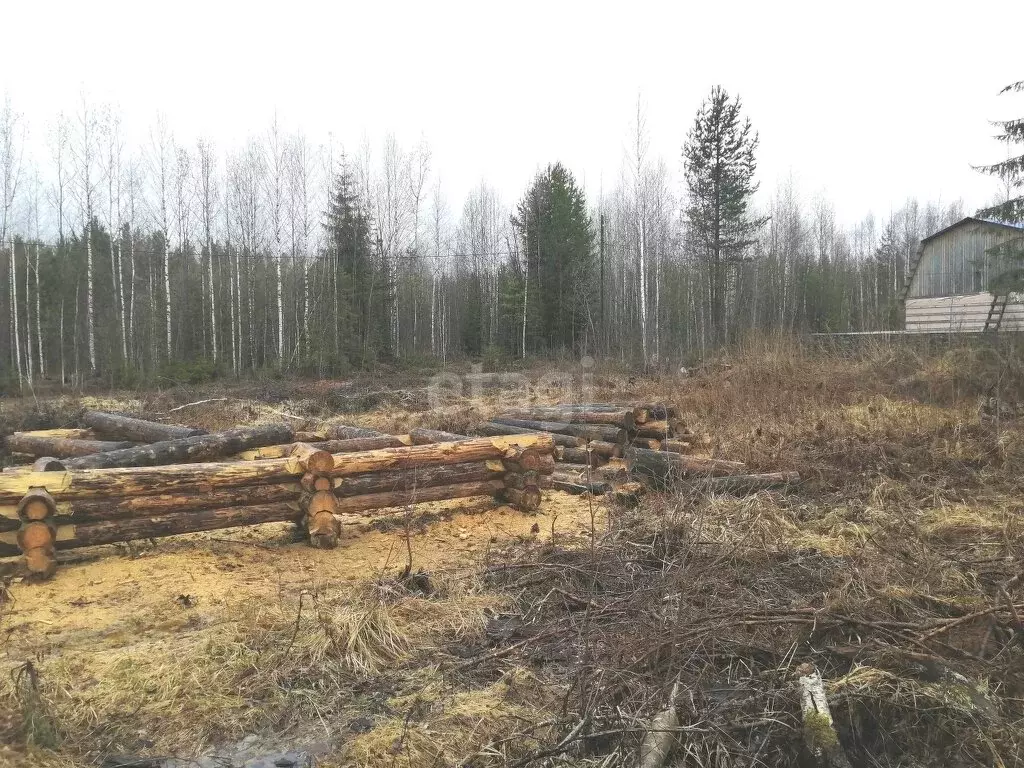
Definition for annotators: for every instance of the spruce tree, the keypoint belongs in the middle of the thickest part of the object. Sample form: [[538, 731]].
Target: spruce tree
[[362, 306], [1009, 255], [719, 165], [557, 250]]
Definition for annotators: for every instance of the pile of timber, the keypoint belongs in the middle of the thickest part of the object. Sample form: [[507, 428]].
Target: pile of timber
[[171, 486], [602, 446]]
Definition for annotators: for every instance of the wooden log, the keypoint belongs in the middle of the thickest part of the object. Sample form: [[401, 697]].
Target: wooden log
[[427, 436], [201, 478], [331, 446], [542, 463], [578, 489], [41, 563], [136, 430], [527, 480], [146, 481], [310, 437], [37, 504], [666, 468], [48, 464], [356, 505], [67, 434], [646, 442], [658, 430], [819, 729], [324, 530], [493, 428], [523, 499], [676, 446], [94, 510], [311, 483], [186, 449], [60, 447], [582, 456], [476, 449], [618, 418], [346, 432], [586, 431], [417, 477], [604, 449], [640, 414], [315, 460], [748, 483], [35, 535]]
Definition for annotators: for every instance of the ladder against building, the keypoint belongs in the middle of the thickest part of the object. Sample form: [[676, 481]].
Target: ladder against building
[[996, 311]]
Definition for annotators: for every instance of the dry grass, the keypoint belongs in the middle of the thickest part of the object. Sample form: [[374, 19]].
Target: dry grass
[[891, 569]]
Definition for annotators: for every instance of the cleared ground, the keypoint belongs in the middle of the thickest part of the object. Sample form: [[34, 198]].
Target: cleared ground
[[556, 637]]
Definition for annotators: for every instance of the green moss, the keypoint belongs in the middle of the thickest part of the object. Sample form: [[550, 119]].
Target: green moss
[[819, 733]]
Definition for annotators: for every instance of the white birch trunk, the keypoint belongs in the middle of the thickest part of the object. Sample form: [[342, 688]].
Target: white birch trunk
[[90, 309], [14, 315], [39, 330]]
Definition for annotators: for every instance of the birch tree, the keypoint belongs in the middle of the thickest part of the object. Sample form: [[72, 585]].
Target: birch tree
[[86, 152], [161, 165]]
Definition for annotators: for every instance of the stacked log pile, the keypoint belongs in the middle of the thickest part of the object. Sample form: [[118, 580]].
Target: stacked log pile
[[602, 446], [146, 491]]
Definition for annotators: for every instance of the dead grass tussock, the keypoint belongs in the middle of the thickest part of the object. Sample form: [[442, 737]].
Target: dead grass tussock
[[972, 523], [439, 726]]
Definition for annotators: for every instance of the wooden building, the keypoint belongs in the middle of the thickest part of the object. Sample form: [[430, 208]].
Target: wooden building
[[951, 276]]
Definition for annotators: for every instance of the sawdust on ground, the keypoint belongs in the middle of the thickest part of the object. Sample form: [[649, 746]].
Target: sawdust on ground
[[116, 595]]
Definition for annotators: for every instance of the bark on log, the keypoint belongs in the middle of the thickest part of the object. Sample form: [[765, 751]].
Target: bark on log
[[748, 483], [525, 480], [188, 449], [602, 448], [428, 436], [346, 432], [578, 489], [331, 446], [657, 430], [582, 456], [136, 430], [587, 431], [48, 464], [310, 437], [202, 478], [493, 428], [60, 447], [476, 449], [661, 735], [666, 468], [356, 505], [95, 510], [420, 477], [640, 414], [107, 532], [146, 481], [618, 418]]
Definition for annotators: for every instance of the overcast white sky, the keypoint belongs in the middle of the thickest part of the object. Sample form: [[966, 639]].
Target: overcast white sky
[[866, 102]]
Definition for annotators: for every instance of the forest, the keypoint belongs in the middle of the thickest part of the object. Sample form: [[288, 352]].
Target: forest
[[124, 262]]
